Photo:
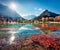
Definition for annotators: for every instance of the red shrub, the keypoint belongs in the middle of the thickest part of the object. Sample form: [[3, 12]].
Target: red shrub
[[45, 40]]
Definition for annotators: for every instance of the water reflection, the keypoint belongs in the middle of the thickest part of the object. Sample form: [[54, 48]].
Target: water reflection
[[23, 32], [49, 27], [12, 36], [21, 36], [26, 31], [55, 34], [29, 29]]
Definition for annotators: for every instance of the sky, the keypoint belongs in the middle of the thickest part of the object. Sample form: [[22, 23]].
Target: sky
[[33, 7]]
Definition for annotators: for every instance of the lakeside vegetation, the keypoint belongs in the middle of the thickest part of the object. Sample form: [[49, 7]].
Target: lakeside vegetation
[[43, 42]]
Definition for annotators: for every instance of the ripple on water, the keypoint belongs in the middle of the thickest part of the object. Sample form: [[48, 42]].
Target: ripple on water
[[55, 34]]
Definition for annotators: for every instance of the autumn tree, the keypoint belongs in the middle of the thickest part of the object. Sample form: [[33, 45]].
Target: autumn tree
[[43, 19], [57, 18], [46, 18]]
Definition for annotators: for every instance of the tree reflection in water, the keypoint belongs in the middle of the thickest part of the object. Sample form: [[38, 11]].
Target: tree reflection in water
[[20, 39]]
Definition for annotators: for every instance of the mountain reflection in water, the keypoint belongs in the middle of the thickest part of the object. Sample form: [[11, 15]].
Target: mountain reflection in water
[[24, 32]]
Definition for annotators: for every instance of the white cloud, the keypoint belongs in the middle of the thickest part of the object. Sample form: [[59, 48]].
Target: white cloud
[[26, 14], [38, 11]]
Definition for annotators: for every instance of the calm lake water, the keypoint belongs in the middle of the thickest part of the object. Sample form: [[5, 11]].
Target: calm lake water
[[26, 31]]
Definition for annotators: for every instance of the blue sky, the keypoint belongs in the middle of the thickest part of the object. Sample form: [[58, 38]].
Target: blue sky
[[34, 7]]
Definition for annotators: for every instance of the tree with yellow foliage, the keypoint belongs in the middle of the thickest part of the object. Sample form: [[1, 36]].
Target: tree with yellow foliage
[[58, 18], [43, 19], [46, 18]]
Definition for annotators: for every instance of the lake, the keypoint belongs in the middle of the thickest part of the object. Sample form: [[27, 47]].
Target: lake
[[24, 32], [16, 33]]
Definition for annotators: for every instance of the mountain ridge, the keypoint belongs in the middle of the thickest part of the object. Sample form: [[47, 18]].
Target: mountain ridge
[[46, 13], [29, 17], [6, 11]]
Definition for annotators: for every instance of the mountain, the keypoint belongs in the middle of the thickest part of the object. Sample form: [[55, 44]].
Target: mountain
[[9, 13], [46, 13], [29, 17]]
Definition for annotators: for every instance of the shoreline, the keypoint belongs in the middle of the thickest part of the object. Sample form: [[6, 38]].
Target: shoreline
[[8, 28]]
